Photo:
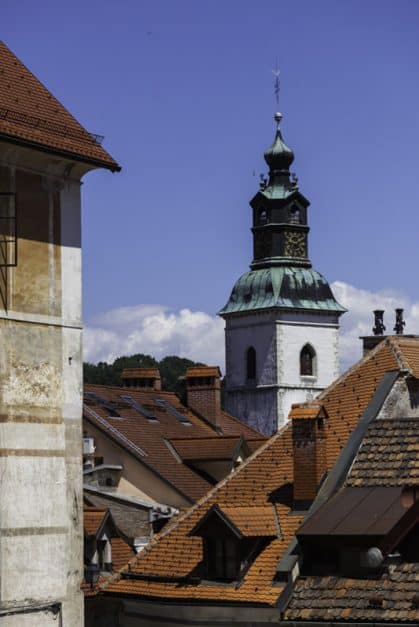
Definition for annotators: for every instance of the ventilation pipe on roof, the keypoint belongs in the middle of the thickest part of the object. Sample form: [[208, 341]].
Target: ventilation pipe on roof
[[204, 393]]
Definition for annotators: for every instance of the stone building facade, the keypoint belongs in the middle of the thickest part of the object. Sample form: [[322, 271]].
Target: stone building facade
[[44, 153]]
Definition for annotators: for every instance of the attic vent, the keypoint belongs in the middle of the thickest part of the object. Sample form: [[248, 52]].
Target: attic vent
[[139, 408], [161, 402]]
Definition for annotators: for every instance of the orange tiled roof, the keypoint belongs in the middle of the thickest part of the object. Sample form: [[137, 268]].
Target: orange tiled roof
[[151, 437], [305, 410], [253, 521], [203, 371], [122, 552], [264, 478], [206, 448], [92, 519], [30, 114], [145, 373]]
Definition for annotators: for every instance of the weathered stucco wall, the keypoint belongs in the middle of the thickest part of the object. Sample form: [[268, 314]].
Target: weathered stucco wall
[[40, 396]]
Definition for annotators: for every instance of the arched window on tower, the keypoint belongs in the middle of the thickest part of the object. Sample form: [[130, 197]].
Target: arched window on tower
[[251, 364], [308, 361]]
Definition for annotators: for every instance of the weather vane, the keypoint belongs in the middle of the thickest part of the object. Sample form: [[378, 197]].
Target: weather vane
[[276, 73]]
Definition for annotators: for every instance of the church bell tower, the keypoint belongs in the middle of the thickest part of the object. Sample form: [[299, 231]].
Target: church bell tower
[[282, 320]]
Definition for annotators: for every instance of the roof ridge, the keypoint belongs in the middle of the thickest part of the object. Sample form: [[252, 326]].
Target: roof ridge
[[393, 343], [221, 438], [182, 517], [364, 359]]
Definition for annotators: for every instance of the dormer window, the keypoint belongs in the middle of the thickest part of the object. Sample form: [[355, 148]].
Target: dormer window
[[307, 361], [232, 538], [221, 558]]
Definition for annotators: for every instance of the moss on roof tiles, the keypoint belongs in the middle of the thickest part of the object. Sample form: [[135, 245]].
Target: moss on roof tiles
[[284, 287]]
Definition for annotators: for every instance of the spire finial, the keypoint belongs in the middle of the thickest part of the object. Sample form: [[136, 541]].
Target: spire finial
[[276, 72]]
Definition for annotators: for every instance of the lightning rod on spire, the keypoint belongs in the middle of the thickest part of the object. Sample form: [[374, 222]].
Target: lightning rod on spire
[[276, 73]]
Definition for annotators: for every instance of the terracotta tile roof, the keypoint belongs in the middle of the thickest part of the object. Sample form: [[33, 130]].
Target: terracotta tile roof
[[391, 598], [92, 519], [30, 114], [122, 552], [244, 495], [146, 373], [347, 398], [90, 591], [388, 456], [138, 434], [263, 479], [212, 448], [253, 521], [305, 410], [203, 371]]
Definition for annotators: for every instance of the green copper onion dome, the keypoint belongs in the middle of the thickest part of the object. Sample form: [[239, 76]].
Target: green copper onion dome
[[283, 287], [279, 156]]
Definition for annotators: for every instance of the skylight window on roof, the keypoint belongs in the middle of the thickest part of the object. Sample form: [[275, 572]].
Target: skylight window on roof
[[105, 404], [139, 408], [161, 402]]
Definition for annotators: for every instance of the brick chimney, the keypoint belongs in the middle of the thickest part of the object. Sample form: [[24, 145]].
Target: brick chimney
[[141, 378], [309, 450], [204, 392]]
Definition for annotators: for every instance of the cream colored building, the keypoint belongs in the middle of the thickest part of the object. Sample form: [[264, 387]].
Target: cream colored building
[[44, 153]]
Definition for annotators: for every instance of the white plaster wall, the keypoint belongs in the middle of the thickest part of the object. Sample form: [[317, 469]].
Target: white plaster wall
[[34, 619], [291, 337], [278, 338], [258, 331]]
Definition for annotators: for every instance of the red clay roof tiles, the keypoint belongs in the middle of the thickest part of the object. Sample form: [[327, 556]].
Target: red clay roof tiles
[[30, 114], [264, 478], [136, 433]]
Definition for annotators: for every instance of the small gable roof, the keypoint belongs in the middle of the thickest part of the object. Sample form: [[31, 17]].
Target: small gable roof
[[243, 522]]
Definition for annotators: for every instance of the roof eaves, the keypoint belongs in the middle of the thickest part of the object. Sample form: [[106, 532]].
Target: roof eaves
[[18, 141]]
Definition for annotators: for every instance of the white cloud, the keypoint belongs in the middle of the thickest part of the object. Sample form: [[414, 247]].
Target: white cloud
[[155, 330], [359, 320]]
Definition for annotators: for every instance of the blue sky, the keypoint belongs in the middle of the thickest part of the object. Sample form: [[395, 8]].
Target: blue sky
[[183, 92]]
